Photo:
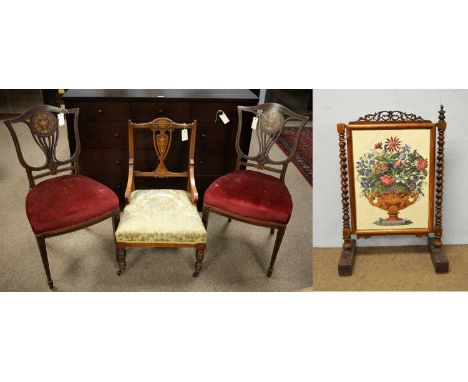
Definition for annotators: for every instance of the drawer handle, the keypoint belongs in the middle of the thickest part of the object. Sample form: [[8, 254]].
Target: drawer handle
[[116, 135], [100, 111], [203, 136], [119, 187], [201, 163], [117, 162], [161, 111]]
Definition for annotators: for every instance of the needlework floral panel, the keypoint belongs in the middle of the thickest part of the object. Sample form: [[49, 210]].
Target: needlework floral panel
[[391, 178]]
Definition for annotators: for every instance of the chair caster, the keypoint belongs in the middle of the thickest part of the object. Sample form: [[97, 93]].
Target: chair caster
[[196, 274], [120, 272], [269, 272], [51, 284]]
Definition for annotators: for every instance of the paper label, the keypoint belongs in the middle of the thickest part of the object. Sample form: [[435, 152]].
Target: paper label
[[224, 118], [61, 119], [254, 123], [184, 135]]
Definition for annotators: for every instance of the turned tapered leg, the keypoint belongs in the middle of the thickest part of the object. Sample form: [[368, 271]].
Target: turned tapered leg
[[199, 254], [279, 239], [121, 255], [45, 261], [115, 224], [272, 231]]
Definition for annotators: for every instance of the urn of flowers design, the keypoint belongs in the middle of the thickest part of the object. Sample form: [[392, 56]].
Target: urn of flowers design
[[393, 203], [392, 177]]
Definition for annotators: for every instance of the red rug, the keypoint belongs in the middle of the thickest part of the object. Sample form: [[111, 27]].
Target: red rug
[[303, 158]]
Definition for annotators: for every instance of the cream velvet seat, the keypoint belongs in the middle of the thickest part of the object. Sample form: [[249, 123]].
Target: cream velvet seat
[[161, 216]]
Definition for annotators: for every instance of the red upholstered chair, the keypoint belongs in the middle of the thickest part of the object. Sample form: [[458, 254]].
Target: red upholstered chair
[[252, 196], [63, 203]]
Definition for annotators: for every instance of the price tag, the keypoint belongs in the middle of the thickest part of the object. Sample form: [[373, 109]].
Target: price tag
[[254, 123], [61, 119], [224, 117], [184, 135]]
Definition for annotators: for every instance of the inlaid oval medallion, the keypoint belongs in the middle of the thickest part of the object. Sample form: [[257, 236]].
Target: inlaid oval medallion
[[43, 123], [271, 120]]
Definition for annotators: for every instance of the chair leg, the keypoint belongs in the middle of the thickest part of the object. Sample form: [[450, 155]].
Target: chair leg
[[229, 220], [45, 261], [121, 255], [115, 224], [205, 216], [199, 254], [279, 239], [272, 231]]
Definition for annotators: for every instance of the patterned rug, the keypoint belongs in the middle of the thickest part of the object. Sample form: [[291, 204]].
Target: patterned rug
[[303, 158]]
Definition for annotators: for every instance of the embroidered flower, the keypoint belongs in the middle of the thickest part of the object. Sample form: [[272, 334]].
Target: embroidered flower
[[398, 163], [380, 167], [392, 144], [387, 180], [378, 146], [421, 164]]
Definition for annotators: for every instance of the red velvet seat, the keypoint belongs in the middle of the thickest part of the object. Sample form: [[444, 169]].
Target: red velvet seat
[[67, 201], [251, 194]]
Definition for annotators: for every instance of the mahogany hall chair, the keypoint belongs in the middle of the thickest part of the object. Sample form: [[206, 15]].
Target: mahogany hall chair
[[254, 197], [161, 218], [63, 203]]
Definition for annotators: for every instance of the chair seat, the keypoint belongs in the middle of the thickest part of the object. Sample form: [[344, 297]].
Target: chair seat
[[67, 201], [251, 194], [160, 217]]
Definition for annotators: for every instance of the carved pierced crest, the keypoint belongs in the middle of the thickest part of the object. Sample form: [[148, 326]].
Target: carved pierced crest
[[391, 116], [43, 123]]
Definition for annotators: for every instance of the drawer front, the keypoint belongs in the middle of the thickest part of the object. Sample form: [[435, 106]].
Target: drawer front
[[206, 112], [216, 137], [95, 162], [214, 163], [102, 110], [103, 134], [147, 111]]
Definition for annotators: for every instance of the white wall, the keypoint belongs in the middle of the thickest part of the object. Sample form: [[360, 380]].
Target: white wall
[[333, 106]]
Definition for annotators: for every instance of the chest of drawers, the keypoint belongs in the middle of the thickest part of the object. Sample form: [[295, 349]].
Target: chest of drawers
[[103, 119]]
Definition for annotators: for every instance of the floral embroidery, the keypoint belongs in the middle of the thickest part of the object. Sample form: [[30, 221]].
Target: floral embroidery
[[392, 177]]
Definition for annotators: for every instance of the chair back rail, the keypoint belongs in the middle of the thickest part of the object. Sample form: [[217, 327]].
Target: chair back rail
[[42, 121], [162, 134], [272, 118]]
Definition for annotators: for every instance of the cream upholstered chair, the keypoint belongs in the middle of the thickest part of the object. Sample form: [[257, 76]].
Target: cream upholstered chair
[[161, 217]]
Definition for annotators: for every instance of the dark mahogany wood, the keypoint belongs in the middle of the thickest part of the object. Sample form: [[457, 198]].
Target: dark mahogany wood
[[42, 123], [273, 118], [103, 119]]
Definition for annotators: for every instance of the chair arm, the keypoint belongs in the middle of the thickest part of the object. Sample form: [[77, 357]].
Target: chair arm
[[191, 180], [130, 182]]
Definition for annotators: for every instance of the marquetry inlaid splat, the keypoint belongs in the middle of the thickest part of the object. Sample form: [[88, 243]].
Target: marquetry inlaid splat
[[162, 142]]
